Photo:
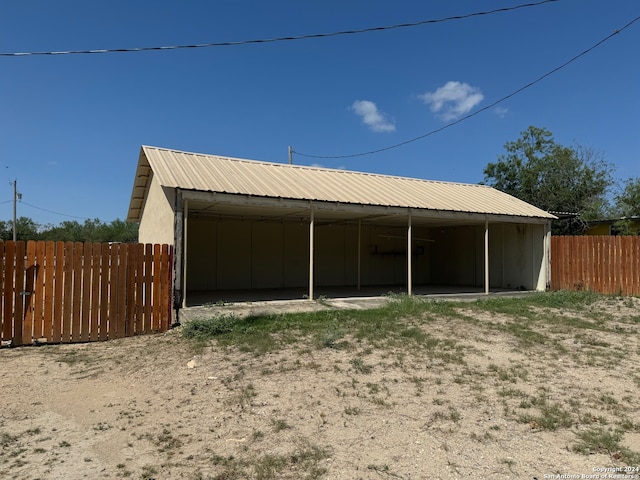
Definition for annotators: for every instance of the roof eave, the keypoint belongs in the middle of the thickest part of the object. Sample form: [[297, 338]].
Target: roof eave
[[140, 187]]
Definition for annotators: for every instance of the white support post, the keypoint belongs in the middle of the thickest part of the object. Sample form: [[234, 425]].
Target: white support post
[[359, 250], [547, 255], [409, 260], [185, 253], [534, 278], [178, 240], [486, 257], [311, 234]]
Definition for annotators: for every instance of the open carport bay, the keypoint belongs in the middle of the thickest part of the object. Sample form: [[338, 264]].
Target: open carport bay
[[260, 258]]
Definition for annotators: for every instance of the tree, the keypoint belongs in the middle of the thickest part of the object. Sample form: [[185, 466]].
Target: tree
[[627, 208], [67, 231], [554, 178], [123, 231], [71, 231], [26, 229], [93, 230]]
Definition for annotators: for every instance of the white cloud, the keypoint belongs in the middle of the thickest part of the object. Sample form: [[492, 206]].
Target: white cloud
[[452, 100], [371, 117], [501, 111]]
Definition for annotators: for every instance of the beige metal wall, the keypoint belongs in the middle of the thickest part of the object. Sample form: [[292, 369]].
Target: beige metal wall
[[157, 221], [516, 253], [234, 254], [516, 256], [521, 264], [384, 255], [457, 255]]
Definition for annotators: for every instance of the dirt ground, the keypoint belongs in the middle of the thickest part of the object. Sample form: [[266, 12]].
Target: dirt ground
[[156, 407]]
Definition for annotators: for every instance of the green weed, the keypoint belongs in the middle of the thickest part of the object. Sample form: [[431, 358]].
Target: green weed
[[148, 473], [351, 410], [551, 416], [360, 367], [599, 440], [279, 425]]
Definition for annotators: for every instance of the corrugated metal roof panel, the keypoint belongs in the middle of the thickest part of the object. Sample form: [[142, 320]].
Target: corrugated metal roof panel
[[212, 173]]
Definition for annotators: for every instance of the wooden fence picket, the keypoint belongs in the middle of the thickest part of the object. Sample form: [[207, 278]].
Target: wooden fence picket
[[18, 321], [87, 279], [148, 280], [156, 304], [67, 292], [5, 323], [76, 318], [8, 294], [58, 312], [94, 322], [635, 267], [38, 293], [122, 290], [27, 295], [165, 285], [130, 282], [104, 292], [139, 275]]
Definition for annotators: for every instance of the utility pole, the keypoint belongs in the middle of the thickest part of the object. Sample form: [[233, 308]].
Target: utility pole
[[16, 195], [290, 155]]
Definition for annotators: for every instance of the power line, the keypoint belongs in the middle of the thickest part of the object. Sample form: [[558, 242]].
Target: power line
[[51, 211], [283, 39], [467, 117]]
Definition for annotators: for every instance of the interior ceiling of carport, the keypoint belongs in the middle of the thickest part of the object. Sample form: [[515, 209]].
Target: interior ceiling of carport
[[324, 187], [332, 217]]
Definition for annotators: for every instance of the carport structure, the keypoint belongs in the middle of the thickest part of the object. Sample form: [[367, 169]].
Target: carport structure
[[251, 226]]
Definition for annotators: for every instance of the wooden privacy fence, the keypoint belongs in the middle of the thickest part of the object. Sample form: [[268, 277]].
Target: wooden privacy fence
[[61, 292], [603, 264]]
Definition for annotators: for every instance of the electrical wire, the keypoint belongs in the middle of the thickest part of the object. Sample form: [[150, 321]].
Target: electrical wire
[[283, 39], [477, 112], [51, 211]]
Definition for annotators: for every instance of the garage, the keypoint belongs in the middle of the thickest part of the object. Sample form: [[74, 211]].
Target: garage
[[251, 230]]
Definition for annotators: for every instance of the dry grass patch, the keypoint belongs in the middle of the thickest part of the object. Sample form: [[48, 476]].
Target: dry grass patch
[[497, 388]]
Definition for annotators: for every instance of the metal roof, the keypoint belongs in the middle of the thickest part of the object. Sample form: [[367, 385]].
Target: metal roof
[[211, 173]]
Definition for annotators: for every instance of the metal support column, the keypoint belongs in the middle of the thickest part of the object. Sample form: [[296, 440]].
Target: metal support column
[[359, 250], [409, 259], [178, 253], [185, 255], [547, 255], [311, 235], [486, 257]]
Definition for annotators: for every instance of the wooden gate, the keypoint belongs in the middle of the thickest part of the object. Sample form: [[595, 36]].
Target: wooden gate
[[59, 292]]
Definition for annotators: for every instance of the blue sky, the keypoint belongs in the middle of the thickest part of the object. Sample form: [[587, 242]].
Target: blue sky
[[71, 126]]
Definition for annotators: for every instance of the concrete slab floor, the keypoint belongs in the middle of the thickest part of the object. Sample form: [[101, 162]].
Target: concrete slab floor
[[246, 303]]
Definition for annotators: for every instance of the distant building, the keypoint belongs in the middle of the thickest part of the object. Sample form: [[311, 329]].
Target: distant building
[[608, 227]]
